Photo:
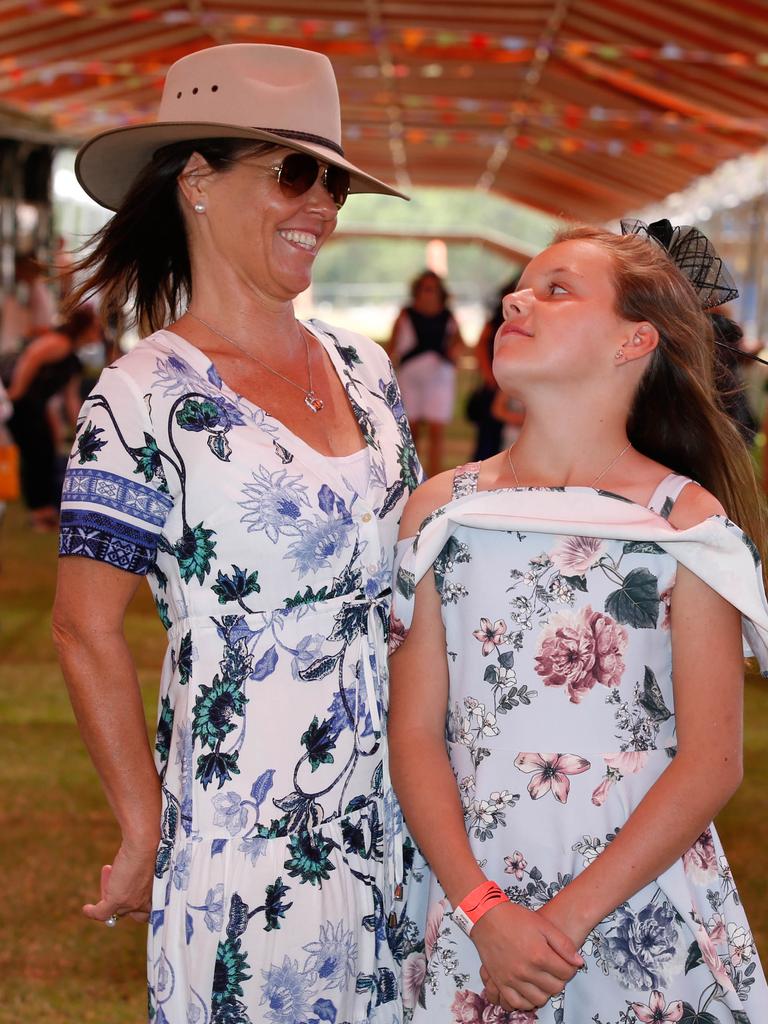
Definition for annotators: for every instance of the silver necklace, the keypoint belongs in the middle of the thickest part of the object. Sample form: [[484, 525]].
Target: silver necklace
[[597, 479], [311, 400]]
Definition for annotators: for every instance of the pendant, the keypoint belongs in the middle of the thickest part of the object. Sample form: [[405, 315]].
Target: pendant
[[313, 402]]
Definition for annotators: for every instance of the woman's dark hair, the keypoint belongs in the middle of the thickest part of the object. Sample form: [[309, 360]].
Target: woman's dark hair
[[728, 378], [140, 258], [677, 416], [77, 321], [429, 275]]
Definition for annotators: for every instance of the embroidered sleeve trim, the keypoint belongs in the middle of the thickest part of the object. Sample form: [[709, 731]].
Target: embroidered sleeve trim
[[94, 535], [99, 487]]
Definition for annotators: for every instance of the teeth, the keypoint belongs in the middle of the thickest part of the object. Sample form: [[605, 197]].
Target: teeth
[[302, 238]]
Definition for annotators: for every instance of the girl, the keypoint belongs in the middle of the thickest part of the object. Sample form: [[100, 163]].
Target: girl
[[571, 684]]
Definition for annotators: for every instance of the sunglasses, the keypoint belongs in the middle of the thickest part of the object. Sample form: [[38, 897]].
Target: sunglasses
[[298, 172]]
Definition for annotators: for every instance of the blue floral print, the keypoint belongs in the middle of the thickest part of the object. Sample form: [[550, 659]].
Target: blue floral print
[[271, 574]]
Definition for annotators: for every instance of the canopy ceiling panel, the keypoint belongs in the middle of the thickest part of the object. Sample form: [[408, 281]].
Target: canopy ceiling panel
[[581, 108]]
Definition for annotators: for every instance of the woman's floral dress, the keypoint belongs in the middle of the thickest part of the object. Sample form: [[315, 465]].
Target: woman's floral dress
[[561, 717], [278, 892]]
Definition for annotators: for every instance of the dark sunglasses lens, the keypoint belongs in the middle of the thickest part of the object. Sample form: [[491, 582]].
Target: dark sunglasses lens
[[298, 173], [337, 183]]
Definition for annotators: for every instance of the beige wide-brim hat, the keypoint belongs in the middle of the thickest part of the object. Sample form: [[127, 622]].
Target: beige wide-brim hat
[[279, 94]]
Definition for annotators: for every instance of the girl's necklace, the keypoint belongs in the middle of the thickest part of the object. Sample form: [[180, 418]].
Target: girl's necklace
[[597, 479], [311, 400]]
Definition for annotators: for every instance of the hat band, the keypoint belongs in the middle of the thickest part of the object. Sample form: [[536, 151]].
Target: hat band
[[303, 137]]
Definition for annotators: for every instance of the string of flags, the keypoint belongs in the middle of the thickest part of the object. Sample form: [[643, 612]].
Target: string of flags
[[410, 37]]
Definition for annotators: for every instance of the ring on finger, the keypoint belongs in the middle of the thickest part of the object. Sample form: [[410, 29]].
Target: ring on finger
[[111, 921]]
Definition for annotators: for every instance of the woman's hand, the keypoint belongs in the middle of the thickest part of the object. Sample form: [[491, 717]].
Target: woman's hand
[[526, 957], [126, 886]]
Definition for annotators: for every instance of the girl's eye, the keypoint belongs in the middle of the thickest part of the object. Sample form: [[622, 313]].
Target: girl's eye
[[557, 289]]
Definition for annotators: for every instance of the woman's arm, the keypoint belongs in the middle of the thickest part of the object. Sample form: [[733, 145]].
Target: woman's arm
[[527, 959], [91, 600], [455, 347], [45, 349], [391, 347], [708, 673], [73, 400]]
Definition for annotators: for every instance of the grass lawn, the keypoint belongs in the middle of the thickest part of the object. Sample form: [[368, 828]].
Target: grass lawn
[[55, 966]]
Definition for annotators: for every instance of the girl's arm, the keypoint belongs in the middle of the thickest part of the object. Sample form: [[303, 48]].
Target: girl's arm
[[526, 957], [91, 600], [708, 674]]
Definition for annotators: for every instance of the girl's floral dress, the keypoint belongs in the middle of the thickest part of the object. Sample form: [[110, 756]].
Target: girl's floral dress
[[278, 892], [561, 718]]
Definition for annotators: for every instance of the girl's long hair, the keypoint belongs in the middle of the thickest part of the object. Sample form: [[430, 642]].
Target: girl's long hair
[[677, 417], [139, 260]]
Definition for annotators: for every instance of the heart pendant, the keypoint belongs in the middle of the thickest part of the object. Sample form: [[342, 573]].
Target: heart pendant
[[313, 402]]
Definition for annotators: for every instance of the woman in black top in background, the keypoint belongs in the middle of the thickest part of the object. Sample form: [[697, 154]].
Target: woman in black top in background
[[424, 348], [46, 367]]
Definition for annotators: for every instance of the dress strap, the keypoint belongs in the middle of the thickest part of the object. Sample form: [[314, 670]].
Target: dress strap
[[465, 479], [666, 494]]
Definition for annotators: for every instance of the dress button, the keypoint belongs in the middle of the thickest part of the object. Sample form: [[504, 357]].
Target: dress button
[[371, 568], [366, 518]]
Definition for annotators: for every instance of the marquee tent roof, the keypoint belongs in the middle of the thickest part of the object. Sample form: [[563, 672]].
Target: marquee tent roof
[[577, 107]]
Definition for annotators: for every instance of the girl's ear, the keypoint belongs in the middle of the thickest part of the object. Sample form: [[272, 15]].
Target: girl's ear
[[642, 341]]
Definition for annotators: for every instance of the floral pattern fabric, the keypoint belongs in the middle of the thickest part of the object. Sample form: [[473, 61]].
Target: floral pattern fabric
[[561, 718], [278, 894]]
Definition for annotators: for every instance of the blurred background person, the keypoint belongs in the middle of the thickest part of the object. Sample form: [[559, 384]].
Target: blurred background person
[[480, 404], [424, 347], [48, 366], [27, 311], [510, 413]]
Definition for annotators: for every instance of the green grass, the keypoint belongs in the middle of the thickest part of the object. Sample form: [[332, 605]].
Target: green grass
[[55, 966]]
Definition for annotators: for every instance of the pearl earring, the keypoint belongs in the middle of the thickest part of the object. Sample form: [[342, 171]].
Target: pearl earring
[[199, 207]]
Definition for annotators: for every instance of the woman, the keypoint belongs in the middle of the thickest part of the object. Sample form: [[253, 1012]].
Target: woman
[[255, 468], [48, 366], [601, 624], [425, 345], [490, 421]]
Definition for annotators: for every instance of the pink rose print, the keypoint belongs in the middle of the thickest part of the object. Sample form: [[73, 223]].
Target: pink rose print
[[626, 762], [601, 792], [666, 604], [414, 973], [573, 556], [700, 861], [551, 773], [490, 635], [467, 1007], [579, 649], [471, 1008], [658, 1011], [516, 865], [712, 960], [567, 653], [610, 644], [716, 929], [432, 930], [397, 632]]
